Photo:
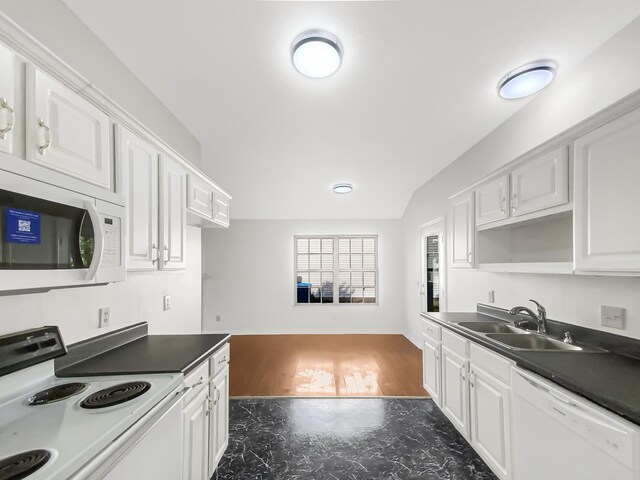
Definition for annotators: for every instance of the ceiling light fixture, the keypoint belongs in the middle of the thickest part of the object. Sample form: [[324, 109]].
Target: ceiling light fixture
[[342, 188], [527, 80], [316, 54]]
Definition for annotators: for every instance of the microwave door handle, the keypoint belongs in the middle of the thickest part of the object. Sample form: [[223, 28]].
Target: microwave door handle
[[98, 247]]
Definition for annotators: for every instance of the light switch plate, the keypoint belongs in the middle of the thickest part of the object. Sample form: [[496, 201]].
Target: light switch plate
[[612, 317], [167, 303], [492, 296]]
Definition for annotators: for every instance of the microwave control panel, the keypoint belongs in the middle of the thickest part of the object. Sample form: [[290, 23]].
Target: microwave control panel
[[112, 241]]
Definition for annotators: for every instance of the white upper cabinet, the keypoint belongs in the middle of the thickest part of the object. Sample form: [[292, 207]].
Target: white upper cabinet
[[463, 231], [607, 197], [137, 164], [541, 183], [492, 201], [200, 198], [7, 105], [221, 208], [65, 132], [173, 215]]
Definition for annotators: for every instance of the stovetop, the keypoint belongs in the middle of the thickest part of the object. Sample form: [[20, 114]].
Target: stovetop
[[76, 428]]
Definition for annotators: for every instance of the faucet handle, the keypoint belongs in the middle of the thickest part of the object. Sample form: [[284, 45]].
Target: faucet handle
[[542, 312]]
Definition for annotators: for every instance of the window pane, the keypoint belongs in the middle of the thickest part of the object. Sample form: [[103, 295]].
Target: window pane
[[344, 294], [369, 279], [356, 261], [303, 262], [356, 279], [303, 277], [314, 261], [368, 261], [327, 245], [368, 245], [314, 278], [369, 295], [327, 293], [303, 245], [356, 245], [315, 295], [327, 277], [314, 245], [327, 262], [345, 279], [356, 295], [302, 287], [344, 262], [344, 245]]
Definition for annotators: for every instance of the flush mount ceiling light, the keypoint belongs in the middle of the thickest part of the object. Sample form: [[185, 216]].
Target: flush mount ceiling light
[[527, 80], [316, 54], [342, 188]]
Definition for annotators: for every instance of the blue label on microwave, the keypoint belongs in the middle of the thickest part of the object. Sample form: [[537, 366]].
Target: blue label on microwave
[[23, 226]]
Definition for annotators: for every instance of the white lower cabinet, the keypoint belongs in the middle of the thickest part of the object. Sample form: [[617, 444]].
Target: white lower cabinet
[[219, 421], [490, 421], [455, 390], [431, 367], [195, 440]]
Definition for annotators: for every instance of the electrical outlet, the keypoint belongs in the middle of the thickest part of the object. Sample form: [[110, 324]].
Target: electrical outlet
[[167, 302], [612, 316], [105, 317], [218, 318], [492, 296]]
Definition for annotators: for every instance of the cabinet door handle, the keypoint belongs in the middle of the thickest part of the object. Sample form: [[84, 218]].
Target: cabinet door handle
[[215, 396], [10, 122], [224, 360], [209, 404], [513, 202], [462, 375], [47, 136], [218, 395], [469, 257], [472, 378], [166, 249], [154, 254], [200, 382], [503, 204]]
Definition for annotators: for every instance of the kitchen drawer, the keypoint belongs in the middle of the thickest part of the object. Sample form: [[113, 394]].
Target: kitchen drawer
[[196, 380], [220, 360], [431, 330], [491, 363], [455, 343]]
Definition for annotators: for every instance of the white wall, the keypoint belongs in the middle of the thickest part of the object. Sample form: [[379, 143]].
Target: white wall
[[139, 298], [608, 75], [61, 31], [250, 280]]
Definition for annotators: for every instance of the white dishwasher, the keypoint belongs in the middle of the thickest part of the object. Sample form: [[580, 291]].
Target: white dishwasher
[[559, 436]]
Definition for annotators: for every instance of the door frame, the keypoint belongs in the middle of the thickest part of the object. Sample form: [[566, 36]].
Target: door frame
[[434, 227]]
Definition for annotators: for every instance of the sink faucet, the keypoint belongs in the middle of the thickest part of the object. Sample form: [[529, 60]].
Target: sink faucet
[[540, 318]]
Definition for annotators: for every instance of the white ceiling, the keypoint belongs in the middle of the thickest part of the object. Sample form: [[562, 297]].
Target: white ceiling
[[416, 89]]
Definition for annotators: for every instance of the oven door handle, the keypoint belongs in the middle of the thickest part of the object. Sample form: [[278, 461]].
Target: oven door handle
[[98, 232]]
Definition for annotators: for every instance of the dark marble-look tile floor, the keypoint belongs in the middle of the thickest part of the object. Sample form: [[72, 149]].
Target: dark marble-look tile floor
[[345, 439]]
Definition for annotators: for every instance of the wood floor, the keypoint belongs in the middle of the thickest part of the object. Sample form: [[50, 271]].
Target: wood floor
[[325, 365]]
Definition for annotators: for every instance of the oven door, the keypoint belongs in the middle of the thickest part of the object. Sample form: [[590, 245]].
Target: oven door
[[50, 237]]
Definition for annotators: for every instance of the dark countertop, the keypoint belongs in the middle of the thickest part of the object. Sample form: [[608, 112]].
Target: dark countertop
[[605, 378], [149, 354]]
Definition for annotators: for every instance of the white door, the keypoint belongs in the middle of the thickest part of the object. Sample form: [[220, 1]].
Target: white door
[[219, 425], [490, 428], [433, 281], [138, 182], [455, 393], [200, 199], [7, 104], [541, 183], [431, 368], [492, 201], [65, 132], [462, 231], [195, 444], [173, 215], [607, 197]]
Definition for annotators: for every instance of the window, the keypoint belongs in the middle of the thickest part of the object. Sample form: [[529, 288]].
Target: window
[[336, 269]]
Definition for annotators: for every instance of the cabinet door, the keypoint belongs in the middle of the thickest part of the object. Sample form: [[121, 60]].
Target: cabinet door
[[195, 422], [7, 104], [541, 183], [65, 132], [492, 201], [455, 393], [463, 234], [431, 368], [138, 182], [219, 422], [173, 215], [200, 199], [490, 427], [221, 209], [607, 197]]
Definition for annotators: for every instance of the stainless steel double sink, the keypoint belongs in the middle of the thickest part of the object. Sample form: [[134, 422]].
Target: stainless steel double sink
[[517, 338]]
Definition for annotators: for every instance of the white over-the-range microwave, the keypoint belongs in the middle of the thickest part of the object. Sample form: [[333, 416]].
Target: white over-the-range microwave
[[56, 231]]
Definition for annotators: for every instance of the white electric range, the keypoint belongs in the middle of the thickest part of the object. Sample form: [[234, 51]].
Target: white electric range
[[71, 428]]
